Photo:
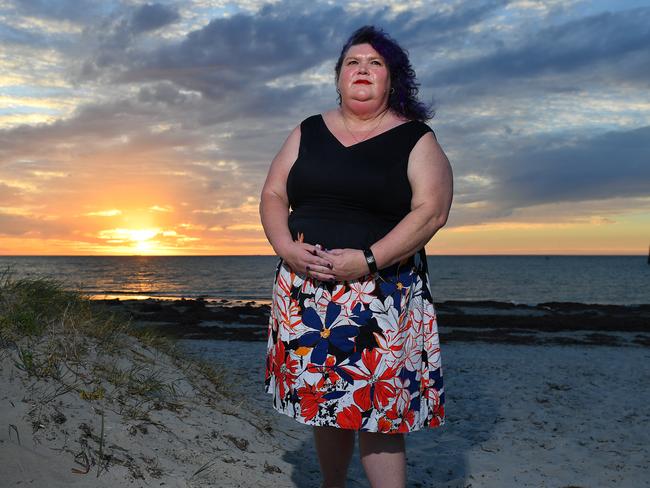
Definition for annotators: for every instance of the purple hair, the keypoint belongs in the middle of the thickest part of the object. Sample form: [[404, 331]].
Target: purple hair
[[403, 98]]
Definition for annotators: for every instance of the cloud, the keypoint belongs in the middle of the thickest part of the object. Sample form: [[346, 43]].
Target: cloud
[[9, 194], [150, 17], [232, 54], [242, 53], [30, 226], [608, 46], [522, 175], [79, 11], [12, 35], [605, 166]]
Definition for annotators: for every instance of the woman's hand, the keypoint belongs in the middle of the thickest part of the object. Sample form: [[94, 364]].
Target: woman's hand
[[347, 264], [302, 258]]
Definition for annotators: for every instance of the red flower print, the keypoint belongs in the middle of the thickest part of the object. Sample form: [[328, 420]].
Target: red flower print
[[287, 312], [429, 320], [284, 284], [401, 421], [407, 422], [415, 322], [286, 309], [327, 371], [438, 414], [284, 370], [341, 294], [310, 398], [349, 418], [377, 390], [384, 424], [400, 414], [390, 343]]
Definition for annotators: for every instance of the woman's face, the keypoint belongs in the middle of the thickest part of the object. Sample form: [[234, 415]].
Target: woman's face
[[364, 75]]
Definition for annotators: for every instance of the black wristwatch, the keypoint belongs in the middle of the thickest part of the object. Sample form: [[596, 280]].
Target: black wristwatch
[[370, 259]]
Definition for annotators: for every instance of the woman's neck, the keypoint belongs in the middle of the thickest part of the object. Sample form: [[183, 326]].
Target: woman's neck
[[361, 114]]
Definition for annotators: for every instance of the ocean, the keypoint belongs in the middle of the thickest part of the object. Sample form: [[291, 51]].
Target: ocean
[[617, 280]]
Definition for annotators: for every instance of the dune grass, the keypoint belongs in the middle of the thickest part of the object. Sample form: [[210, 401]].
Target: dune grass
[[58, 334], [69, 351]]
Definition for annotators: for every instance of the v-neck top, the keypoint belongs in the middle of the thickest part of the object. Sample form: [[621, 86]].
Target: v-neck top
[[350, 196]]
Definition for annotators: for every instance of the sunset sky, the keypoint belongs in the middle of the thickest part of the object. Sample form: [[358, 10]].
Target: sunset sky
[[129, 127]]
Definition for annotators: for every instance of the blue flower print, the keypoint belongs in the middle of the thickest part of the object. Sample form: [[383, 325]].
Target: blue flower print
[[397, 287], [325, 335]]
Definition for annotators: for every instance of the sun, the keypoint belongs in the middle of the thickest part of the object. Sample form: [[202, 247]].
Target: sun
[[141, 239], [124, 240]]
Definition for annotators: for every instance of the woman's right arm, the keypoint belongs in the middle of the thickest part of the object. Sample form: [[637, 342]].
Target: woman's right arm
[[274, 214]]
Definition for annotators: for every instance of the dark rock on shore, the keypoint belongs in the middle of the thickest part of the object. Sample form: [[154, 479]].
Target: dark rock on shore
[[548, 316], [489, 321]]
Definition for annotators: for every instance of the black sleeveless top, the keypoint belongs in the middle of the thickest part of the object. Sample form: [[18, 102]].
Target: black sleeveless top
[[350, 197]]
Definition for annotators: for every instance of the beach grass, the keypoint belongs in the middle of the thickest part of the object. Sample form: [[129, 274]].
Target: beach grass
[[61, 343]]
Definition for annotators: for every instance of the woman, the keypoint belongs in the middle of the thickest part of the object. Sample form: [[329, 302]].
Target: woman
[[353, 339]]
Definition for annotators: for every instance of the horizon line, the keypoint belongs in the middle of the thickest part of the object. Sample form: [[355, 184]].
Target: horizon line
[[275, 255]]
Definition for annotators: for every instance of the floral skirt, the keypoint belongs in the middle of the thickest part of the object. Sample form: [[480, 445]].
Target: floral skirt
[[361, 354]]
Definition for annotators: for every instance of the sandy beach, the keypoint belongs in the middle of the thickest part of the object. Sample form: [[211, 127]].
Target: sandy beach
[[539, 408], [517, 415]]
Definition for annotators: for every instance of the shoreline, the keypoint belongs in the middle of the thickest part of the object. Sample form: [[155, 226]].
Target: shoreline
[[558, 323], [503, 304]]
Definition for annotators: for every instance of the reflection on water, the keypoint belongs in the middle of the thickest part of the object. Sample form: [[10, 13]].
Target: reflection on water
[[518, 279]]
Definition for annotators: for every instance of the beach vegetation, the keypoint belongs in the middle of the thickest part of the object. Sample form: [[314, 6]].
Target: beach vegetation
[[57, 333], [88, 375], [60, 342]]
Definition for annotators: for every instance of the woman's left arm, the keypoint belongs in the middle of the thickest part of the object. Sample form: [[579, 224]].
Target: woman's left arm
[[431, 180]]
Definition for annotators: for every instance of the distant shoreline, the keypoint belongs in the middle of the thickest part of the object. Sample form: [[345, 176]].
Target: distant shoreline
[[501, 304], [527, 280], [565, 323], [429, 254]]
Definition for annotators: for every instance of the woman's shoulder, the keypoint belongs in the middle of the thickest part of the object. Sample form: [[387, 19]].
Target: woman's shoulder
[[318, 116], [310, 121], [420, 128]]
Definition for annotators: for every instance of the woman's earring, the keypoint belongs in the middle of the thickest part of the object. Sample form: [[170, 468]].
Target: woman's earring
[[339, 96], [392, 90]]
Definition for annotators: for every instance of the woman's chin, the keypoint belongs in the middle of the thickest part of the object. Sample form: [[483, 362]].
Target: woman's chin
[[363, 103], [361, 91]]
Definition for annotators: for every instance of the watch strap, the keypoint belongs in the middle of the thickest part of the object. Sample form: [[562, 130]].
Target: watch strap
[[370, 259]]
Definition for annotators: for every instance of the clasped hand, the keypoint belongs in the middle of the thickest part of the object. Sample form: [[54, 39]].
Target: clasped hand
[[326, 265]]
